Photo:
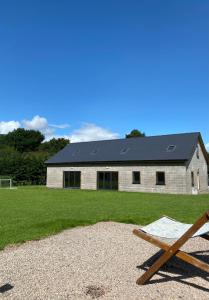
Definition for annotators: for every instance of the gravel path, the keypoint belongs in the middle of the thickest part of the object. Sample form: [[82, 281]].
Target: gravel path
[[98, 261]]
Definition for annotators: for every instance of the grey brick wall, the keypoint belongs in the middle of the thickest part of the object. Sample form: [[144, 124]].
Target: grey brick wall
[[195, 165], [175, 177]]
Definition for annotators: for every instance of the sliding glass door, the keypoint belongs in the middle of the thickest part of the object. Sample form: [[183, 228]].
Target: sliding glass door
[[72, 179], [107, 180]]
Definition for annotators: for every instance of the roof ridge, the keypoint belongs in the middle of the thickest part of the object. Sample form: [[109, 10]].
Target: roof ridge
[[142, 137]]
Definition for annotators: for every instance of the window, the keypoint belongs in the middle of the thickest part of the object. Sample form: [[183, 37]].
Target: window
[[136, 178], [107, 180], [171, 148], [198, 179], [124, 150], [192, 179], [160, 178], [72, 179], [197, 152], [93, 152]]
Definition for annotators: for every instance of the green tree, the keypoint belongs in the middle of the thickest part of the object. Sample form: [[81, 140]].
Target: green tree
[[2, 140], [23, 153], [24, 140], [23, 168], [54, 145], [135, 133]]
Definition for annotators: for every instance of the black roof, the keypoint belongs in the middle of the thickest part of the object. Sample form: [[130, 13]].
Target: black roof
[[172, 147]]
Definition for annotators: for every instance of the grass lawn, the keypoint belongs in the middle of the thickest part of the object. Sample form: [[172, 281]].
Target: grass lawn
[[33, 212]]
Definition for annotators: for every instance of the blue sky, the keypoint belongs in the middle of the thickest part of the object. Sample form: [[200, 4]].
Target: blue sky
[[97, 69]]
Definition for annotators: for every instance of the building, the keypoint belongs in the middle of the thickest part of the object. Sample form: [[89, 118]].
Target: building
[[176, 163]]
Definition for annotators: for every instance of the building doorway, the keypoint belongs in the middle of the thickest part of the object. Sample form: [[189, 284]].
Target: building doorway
[[72, 179], [107, 180]]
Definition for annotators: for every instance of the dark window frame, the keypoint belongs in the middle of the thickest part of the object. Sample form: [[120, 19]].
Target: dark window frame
[[158, 180], [134, 181], [124, 150], [171, 148], [107, 180], [197, 152], [73, 176], [192, 178], [94, 151]]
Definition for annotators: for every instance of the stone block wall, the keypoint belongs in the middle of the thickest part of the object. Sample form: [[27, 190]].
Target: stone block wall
[[175, 177], [197, 165]]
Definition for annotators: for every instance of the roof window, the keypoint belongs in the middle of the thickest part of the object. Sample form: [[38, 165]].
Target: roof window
[[124, 150], [93, 152], [171, 148], [76, 152]]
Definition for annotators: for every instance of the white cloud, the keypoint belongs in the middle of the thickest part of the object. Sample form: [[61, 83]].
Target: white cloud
[[41, 124], [91, 132], [36, 123], [207, 146], [6, 127], [61, 126], [87, 132]]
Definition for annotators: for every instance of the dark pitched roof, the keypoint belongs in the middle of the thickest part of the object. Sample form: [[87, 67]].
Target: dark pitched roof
[[153, 148]]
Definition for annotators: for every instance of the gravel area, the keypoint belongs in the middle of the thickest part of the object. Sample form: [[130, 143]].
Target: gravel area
[[101, 261]]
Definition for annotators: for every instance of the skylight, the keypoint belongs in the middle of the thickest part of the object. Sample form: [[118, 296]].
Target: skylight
[[75, 152], [93, 152], [171, 148], [124, 150]]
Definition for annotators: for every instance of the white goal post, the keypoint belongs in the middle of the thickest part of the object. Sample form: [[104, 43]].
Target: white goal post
[[6, 183]]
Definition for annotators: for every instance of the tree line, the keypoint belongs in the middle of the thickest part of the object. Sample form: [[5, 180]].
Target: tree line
[[23, 153]]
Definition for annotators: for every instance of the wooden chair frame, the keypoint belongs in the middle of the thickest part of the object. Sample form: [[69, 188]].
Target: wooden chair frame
[[171, 250]]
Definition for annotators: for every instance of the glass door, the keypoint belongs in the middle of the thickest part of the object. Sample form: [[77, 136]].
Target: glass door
[[72, 179], [107, 180]]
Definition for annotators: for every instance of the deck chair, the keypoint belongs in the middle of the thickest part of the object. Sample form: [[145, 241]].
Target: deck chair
[[168, 228]]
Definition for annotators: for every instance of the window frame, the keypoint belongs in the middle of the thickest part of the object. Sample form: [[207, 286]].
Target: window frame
[[192, 178], [197, 152], [72, 179], [133, 178], [171, 148], [107, 180], [158, 182]]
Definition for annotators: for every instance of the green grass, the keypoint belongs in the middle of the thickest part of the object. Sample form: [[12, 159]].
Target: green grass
[[33, 212]]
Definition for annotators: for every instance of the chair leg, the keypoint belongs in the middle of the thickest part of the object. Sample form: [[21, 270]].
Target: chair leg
[[173, 249], [180, 254], [155, 267]]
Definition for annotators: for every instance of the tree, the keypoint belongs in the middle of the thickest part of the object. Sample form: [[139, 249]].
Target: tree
[[23, 153], [24, 140], [54, 145], [135, 133], [3, 141]]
